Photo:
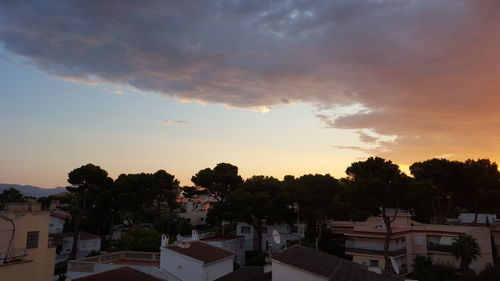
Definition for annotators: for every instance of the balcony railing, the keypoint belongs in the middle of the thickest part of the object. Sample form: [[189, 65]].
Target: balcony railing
[[395, 252], [15, 255], [439, 248]]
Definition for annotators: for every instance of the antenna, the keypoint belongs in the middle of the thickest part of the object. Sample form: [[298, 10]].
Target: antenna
[[394, 265], [276, 237]]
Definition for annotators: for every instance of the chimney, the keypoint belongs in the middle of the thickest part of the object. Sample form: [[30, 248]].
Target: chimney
[[164, 240], [194, 235]]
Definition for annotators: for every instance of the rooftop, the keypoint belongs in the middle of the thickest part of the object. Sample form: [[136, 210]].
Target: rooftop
[[83, 235], [120, 274], [201, 251], [247, 273], [332, 267]]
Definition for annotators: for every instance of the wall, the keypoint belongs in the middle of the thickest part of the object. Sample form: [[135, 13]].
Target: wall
[[180, 266], [56, 225], [284, 272], [236, 246], [42, 258], [283, 229], [218, 269]]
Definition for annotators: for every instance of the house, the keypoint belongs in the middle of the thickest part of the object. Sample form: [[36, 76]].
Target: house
[[26, 253], [195, 261], [57, 220], [87, 243], [287, 233], [299, 263], [145, 262], [365, 242], [119, 274], [194, 209], [117, 232], [233, 244]]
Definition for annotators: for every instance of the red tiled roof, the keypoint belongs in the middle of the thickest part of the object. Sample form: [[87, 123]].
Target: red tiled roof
[[202, 251], [120, 274], [60, 215]]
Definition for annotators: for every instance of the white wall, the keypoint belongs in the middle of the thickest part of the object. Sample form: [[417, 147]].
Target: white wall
[[218, 269], [236, 246], [284, 272], [56, 225], [285, 231], [180, 266]]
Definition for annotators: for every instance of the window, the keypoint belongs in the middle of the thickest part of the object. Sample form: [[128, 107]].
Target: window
[[32, 239], [245, 229], [418, 240], [373, 263]]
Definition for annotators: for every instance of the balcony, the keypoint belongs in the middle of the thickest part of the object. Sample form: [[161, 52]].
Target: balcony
[[14, 256], [374, 248], [439, 248]]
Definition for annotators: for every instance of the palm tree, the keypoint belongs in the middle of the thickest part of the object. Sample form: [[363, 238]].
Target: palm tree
[[466, 249]]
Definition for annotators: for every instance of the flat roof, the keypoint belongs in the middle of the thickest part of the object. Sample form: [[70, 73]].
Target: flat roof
[[202, 251]]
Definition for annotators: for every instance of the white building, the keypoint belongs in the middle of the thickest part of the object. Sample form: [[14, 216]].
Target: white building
[[195, 261], [57, 221], [87, 243], [194, 209], [235, 245], [287, 233]]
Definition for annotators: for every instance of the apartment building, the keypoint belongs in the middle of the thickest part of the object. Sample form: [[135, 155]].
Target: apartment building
[[25, 251], [365, 242]]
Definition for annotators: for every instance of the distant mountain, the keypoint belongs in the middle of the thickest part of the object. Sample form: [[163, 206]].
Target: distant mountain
[[35, 191]]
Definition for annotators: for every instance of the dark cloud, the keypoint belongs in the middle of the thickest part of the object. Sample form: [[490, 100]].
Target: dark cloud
[[424, 71]]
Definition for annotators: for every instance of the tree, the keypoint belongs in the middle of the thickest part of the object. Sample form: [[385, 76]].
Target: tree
[[11, 195], [379, 184], [466, 248], [260, 200], [446, 177], [87, 180], [423, 269], [144, 197], [219, 181], [139, 239], [316, 199]]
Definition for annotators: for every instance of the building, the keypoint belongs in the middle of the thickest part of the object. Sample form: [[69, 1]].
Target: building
[[195, 261], [25, 250], [87, 243], [233, 244], [299, 263], [365, 242], [145, 262], [57, 220], [194, 209], [287, 233]]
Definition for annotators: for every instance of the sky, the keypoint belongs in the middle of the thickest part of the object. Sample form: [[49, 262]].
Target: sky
[[274, 87]]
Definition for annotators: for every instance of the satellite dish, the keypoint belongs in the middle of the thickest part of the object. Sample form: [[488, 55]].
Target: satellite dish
[[276, 237], [394, 265]]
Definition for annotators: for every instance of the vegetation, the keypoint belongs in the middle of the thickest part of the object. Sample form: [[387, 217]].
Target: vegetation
[[146, 202], [466, 249]]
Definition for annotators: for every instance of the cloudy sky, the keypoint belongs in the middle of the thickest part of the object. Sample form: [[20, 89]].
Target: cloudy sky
[[274, 87]]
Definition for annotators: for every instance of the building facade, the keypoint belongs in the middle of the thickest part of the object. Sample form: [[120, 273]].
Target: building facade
[[25, 251], [365, 242]]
